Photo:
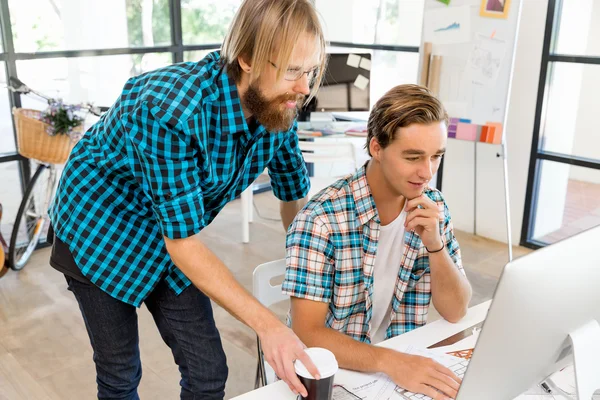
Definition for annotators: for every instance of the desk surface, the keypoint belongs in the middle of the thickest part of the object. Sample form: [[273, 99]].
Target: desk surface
[[425, 336]]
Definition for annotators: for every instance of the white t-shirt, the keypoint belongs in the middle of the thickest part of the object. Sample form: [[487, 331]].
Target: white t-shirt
[[385, 274]]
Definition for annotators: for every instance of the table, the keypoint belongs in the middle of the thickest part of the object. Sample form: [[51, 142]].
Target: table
[[432, 334]]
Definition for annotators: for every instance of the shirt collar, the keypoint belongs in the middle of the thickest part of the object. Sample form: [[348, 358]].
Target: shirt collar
[[232, 115]]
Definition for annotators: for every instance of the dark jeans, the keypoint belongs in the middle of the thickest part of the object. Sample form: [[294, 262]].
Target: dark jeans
[[185, 323]]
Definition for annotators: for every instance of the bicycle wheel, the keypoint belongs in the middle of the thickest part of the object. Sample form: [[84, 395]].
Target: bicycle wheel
[[3, 249], [32, 217]]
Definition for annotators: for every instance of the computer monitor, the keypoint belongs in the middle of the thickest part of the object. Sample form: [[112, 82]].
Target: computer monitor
[[340, 90], [546, 307]]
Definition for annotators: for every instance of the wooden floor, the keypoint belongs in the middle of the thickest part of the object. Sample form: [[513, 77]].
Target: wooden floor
[[45, 351]]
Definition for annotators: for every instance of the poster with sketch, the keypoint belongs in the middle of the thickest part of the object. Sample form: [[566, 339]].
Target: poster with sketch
[[486, 60], [455, 81], [447, 25]]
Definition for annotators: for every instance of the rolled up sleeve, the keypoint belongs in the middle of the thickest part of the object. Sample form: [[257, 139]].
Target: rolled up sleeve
[[287, 169]]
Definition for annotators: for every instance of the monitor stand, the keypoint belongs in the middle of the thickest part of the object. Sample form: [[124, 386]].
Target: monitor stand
[[586, 354]]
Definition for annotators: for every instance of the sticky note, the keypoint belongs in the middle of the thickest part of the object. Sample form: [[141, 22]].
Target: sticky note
[[497, 137], [361, 82], [465, 131], [353, 60], [365, 63]]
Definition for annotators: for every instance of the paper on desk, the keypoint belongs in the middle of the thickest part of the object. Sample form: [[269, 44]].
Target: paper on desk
[[380, 386], [366, 386]]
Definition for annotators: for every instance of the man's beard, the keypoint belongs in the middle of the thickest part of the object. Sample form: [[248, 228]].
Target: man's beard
[[272, 114]]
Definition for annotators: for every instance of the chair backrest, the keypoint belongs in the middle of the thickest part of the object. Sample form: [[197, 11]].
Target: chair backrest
[[262, 289], [328, 151]]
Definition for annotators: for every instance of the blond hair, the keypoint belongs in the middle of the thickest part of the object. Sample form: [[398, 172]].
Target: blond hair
[[263, 26], [400, 107]]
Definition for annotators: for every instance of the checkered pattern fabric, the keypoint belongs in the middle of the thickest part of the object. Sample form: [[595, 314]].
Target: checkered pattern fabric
[[164, 160], [331, 249]]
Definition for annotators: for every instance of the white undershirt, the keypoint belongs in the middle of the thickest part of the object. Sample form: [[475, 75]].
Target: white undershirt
[[385, 274]]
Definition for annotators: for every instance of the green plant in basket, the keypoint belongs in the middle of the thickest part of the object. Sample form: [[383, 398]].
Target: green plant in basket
[[61, 118]]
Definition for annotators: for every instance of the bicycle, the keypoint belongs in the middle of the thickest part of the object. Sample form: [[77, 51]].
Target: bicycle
[[32, 217], [3, 250]]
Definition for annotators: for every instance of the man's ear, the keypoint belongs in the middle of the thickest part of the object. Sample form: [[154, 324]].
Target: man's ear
[[375, 148], [244, 64]]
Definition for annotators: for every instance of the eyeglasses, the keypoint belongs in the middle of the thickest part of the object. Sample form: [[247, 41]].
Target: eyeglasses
[[295, 73]]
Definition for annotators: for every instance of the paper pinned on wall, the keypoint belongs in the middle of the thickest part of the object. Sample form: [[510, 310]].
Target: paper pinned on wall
[[365, 63], [353, 60], [361, 82], [486, 59], [447, 25]]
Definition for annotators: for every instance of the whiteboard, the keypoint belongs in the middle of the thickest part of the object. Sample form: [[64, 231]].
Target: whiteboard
[[473, 83], [477, 57]]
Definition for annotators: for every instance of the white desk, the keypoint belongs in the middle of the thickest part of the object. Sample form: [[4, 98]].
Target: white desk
[[422, 337]]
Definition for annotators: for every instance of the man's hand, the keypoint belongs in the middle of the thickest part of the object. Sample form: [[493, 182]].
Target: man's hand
[[425, 221], [281, 348], [280, 345], [421, 375]]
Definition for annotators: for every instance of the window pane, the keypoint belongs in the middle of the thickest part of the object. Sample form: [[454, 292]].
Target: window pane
[[195, 55], [571, 113], [206, 21], [48, 25], [567, 201], [10, 196], [577, 29], [7, 137], [395, 22], [98, 80]]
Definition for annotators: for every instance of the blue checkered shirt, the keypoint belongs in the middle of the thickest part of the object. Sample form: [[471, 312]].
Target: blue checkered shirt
[[331, 250], [164, 160]]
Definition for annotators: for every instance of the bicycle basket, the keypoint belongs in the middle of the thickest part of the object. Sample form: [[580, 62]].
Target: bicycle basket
[[33, 141]]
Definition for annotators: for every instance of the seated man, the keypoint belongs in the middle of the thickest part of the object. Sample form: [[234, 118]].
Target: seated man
[[367, 254]]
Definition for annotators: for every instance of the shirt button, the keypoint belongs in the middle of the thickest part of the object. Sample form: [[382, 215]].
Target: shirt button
[[168, 195]]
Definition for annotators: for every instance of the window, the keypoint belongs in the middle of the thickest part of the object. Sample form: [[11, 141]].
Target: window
[[570, 123], [206, 21], [49, 25], [577, 28], [393, 22], [94, 79], [564, 175], [567, 202], [7, 138]]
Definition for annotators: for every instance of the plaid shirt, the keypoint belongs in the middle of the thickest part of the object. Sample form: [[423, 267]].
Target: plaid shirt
[[164, 160], [331, 249]]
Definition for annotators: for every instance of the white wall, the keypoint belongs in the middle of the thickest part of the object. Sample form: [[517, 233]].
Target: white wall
[[522, 104]]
